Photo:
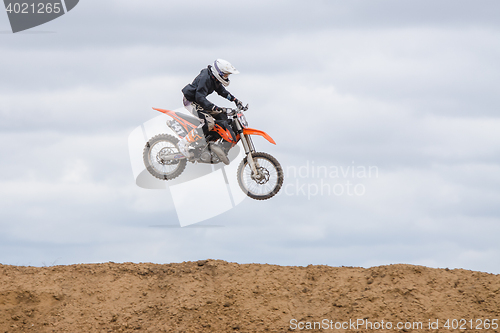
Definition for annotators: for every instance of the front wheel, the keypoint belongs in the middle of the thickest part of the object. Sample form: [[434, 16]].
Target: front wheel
[[162, 158], [268, 180]]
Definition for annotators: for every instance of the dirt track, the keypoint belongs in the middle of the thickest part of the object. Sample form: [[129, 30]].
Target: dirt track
[[216, 296]]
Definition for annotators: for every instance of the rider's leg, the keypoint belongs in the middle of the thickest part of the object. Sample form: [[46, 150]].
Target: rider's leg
[[193, 136], [207, 121], [221, 119], [224, 122], [196, 134]]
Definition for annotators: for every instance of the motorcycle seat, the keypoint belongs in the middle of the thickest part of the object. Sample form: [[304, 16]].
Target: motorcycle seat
[[193, 120]]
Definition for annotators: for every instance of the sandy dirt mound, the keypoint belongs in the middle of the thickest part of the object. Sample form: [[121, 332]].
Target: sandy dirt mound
[[217, 296]]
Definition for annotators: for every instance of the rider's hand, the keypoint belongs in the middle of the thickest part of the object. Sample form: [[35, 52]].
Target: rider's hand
[[218, 109], [238, 103]]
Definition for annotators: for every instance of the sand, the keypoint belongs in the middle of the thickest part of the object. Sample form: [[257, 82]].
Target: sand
[[217, 296]]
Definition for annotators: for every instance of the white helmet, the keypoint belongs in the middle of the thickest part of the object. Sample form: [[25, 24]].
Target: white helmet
[[221, 70]]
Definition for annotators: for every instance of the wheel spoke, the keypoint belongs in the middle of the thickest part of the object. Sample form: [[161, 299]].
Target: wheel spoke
[[157, 157], [157, 151], [260, 187]]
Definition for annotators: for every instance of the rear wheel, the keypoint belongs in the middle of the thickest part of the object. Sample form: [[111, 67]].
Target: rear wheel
[[268, 180], [162, 158]]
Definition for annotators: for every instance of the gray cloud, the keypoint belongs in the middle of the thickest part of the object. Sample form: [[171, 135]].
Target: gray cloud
[[407, 87]]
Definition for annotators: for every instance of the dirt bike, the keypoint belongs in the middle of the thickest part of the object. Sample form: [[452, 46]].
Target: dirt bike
[[259, 174]]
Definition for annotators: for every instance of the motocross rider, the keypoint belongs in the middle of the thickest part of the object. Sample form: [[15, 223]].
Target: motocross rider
[[213, 78]]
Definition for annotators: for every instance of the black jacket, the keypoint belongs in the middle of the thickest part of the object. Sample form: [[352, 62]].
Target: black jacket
[[203, 85]]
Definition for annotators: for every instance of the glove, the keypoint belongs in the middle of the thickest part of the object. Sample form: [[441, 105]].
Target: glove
[[218, 109], [238, 103]]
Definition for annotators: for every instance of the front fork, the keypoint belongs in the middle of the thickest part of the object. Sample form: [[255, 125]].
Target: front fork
[[249, 149]]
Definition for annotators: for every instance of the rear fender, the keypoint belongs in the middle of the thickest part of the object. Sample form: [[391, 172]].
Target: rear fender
[[253, 131], [186, 124]]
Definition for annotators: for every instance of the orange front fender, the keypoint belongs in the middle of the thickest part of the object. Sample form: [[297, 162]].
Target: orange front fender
[[252, 131]]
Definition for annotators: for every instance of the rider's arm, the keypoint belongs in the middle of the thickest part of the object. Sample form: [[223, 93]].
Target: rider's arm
[[224, 93], [202, 92], [206, 86]]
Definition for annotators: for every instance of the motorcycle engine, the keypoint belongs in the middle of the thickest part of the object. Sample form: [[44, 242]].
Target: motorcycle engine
[[207, 157]]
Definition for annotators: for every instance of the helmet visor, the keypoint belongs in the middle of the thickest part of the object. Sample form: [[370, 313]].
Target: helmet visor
[[221, 73]]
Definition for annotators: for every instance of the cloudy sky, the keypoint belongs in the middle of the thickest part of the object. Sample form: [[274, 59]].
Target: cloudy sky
[[408, 90]]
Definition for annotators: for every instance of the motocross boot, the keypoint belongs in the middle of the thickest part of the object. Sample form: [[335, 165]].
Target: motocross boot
[[185, 143]]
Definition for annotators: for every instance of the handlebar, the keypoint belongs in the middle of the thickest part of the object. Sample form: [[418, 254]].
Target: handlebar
[[232, 112]]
